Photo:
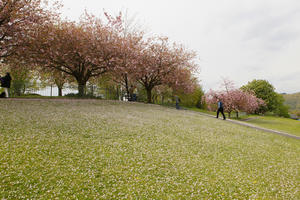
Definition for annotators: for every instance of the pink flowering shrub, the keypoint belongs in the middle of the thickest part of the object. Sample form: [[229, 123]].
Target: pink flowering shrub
[[233, 100]]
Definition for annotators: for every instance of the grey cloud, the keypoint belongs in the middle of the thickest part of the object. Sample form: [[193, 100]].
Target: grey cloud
[[272, 32], [268, 26], [286, 83], [289, 77]]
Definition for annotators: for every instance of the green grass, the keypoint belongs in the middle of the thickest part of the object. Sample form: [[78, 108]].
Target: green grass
[[287, 125], [277, 123], [93, 149]]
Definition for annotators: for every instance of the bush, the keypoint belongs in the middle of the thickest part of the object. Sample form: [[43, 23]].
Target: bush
[[281, 109], [194, 99]]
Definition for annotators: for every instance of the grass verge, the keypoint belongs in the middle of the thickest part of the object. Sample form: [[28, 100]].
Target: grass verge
[[92, 149], [287, 125]]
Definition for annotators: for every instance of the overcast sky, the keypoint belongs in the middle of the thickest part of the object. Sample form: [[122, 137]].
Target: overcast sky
[[237, 39]]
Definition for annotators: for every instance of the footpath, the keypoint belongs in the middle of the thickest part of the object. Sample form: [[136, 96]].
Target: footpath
[[251, 126]]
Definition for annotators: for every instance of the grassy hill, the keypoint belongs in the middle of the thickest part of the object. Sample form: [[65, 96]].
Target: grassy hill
[[286, 125], [89, 149], [293, 100]]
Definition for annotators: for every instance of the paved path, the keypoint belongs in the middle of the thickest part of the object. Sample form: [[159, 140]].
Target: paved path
[[251, 126]]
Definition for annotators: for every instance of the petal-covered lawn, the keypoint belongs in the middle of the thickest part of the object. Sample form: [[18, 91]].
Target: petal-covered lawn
[[93, 149]]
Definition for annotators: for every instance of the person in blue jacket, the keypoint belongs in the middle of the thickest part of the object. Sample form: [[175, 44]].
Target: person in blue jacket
[[220, 109]]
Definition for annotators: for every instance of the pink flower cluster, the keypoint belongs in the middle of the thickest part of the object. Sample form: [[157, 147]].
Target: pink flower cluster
[[233, 100]]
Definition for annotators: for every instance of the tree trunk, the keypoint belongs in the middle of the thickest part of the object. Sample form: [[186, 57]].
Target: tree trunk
[[237, 114], [131, 90], [81, 81], [92, 89], [149, 96], [59, 91], [127, 87], [154, 99], [118, 96], [51, 90], [24, 90], [81, 89]]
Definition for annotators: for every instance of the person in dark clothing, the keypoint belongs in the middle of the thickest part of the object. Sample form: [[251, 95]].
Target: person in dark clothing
[[177, 100], [5, 83], [220, 109]]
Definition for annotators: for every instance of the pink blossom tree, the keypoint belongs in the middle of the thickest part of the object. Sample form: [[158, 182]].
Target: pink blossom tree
[[82, 50], [131, 41], [18, 18], [233, 99], [160, 63]]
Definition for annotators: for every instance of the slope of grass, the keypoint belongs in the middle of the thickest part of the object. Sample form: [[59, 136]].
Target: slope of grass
[[277, 123], [287, 125], [91, 149]]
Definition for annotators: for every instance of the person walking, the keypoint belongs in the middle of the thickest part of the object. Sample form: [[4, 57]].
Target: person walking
[[5, 83], [220, 109]]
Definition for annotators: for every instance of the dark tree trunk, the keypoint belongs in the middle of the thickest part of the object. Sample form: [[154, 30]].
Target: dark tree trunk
[[92, 90], [51, 90], [59, 91], [154, 99], [149, 96], [59, 85], [118, 93], [127, 86], [81, 81], [24, 90], [237, 114], [81, 88]]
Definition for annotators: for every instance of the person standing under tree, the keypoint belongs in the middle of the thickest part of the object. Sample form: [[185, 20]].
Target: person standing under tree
[[220, 109], [5, 83], [177, 101]]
